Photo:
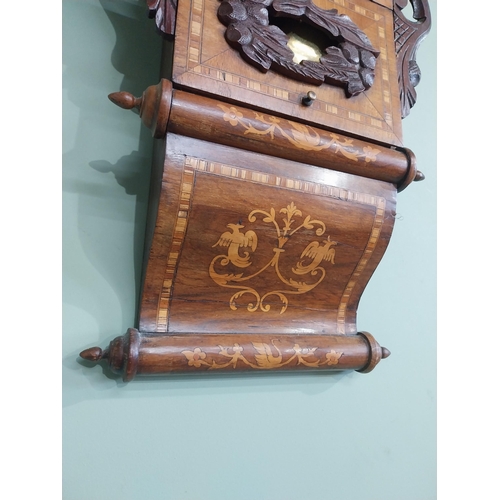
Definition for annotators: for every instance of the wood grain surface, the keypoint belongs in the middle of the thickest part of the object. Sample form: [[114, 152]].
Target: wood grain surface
[[205, 62], [137, 353], [206, 193], [272, 201]]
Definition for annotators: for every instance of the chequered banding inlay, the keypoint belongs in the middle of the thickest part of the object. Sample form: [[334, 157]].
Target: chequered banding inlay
[[192, 165], [370, 247], [195, 35], [195, 65], [175, 249]]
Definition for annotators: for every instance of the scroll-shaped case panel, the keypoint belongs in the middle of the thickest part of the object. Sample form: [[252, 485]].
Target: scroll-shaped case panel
[[261, 244]]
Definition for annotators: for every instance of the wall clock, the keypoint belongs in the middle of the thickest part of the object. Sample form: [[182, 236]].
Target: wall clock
[[274, 199]]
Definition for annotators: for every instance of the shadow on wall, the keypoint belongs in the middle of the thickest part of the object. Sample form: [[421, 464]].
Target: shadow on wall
[[91, 123], [137, 55], [138, 45], [193, 384]]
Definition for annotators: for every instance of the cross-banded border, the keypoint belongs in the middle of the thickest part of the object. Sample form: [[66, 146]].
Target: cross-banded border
[[193, 165], [194, 64], [186, 190]]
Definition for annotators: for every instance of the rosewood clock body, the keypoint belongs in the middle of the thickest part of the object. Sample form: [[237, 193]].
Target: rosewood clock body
[[273, 199]]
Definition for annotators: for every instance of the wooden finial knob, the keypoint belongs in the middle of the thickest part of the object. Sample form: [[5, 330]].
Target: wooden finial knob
[[125, 100], [375, 352], [419, 176], [92, 354], [122, 354], [153, 106]]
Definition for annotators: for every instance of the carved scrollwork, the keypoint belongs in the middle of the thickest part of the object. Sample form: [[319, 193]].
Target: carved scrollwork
[[407, 36], [348, 61], [164, 12]]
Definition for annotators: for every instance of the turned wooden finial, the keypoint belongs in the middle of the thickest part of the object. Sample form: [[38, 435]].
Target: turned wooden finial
[[121, 355], [419, 176], [92, 354], [125, 100], [412, 173], [153, 105], [376, 352]]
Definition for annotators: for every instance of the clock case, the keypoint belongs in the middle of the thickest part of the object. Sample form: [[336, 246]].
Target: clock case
[[269, 210]]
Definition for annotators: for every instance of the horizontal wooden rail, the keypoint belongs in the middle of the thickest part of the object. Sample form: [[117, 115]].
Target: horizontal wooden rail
[[138, 353], [163, 109]]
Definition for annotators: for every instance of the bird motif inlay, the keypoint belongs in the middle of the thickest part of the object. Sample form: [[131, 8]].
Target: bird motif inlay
[[236, 240], [241, 245]]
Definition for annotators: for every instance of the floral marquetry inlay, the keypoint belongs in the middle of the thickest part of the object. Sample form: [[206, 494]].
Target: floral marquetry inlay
[[264, 357], [266, 260], [272, 201], [308, 271], [300, 136]]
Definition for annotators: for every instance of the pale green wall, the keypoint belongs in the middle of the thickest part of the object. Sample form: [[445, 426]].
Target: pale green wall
[[269, 437]]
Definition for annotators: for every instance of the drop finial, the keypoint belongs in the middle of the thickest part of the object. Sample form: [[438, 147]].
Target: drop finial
[[153, 105], [92, 354], [125, 100], [419, 176]]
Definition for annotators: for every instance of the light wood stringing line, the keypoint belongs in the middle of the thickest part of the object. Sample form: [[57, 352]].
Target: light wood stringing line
[[195, 65], [175, 249], [195, 164]]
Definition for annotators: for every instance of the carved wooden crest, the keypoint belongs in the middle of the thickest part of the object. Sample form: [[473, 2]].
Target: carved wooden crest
[[334, 49], [407, 37], [163, 12]]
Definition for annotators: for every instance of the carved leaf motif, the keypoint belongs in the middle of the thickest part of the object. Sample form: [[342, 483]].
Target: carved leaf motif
[[333, 22], [407, 38], [164, 12], [241, 35], [350, 65]]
